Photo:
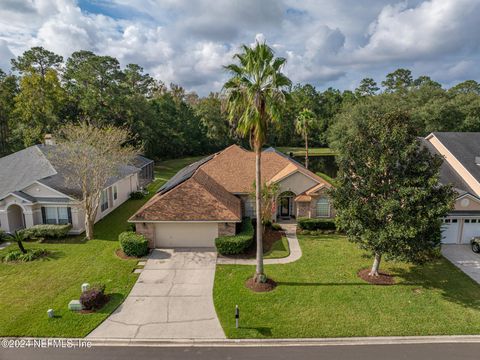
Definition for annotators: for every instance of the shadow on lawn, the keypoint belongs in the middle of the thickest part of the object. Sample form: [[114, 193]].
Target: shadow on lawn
[[292, 283], [442, 276], [262, 330]]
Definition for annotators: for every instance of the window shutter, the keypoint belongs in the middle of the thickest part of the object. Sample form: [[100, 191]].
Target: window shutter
[[44, 216], [69, 211]]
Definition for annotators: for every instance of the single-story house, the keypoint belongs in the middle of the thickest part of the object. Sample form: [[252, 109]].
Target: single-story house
[[209, 197], [33, 191], [461, 169]]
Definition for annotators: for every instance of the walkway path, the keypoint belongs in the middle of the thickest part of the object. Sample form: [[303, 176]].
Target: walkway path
[[295, 250], [172, 299]]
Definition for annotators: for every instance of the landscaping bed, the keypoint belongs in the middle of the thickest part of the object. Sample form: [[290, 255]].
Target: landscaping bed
[[321, 295]]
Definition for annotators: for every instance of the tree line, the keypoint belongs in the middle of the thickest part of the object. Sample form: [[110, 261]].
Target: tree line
[[43, 91]]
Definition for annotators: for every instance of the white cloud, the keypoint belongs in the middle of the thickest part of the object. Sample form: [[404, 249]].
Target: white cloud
[[187, 41]]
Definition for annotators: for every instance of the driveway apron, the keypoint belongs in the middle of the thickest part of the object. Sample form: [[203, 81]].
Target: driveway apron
[[464, 258], [172, 299]]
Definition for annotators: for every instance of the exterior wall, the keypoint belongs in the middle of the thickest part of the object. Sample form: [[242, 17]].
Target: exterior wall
[[303, 209], [9, 219], [296, 183], [467, 203], [459, 168], [248, 206], [40, 190], [124, 187], [226, 229], [309, 209], [147, 230]]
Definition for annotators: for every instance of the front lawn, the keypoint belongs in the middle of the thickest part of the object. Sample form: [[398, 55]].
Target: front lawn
[[28, 290], [320, 295]]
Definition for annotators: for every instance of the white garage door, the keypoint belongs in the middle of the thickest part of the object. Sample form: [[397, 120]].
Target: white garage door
[[449, 231], [169, 235], [471, 228]]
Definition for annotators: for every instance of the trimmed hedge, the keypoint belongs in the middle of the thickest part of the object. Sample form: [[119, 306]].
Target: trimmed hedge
[[47, 231], [133, 244], [136, 195], [316, 224], [236, 244]]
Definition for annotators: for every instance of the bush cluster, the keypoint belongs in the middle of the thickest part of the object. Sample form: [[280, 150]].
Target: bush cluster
[[3, 236], [137, 195], [94, 298], [17, 255], [316, 224], [133, 244], [47, 231], [236, 244]]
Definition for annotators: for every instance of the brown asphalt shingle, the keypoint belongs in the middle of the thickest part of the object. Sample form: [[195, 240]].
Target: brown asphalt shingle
[[199, 198]]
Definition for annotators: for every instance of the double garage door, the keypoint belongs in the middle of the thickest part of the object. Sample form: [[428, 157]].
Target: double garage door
[[459, 230], [172, 235]]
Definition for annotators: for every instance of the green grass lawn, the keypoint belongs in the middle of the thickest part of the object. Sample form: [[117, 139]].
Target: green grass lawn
[[320, 295], [300, 151], [279, 249], [28, 290]]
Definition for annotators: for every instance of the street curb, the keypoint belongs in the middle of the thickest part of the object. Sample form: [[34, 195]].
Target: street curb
[[353, 341]]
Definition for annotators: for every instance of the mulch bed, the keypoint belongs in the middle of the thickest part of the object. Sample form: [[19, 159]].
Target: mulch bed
[[381, 279], [269, 285], [269, 238], [122, 255]]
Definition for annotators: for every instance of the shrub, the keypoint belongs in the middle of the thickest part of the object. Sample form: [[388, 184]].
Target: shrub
[[3, 236], [47, 231], [133, 244], [316, 224], [17, 255], [136, 195], [237, 244], [94, 298]]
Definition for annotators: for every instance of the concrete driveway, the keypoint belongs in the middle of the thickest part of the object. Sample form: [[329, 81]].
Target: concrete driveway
[[464, 258], [172, 299]]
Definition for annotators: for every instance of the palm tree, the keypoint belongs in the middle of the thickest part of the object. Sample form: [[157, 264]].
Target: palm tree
[[255, 92], [18, 236], [303, 125]]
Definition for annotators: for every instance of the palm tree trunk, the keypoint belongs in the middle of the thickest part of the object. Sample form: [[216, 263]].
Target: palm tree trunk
[[259, 275], [20, 246], [306, 150], [376, 265]]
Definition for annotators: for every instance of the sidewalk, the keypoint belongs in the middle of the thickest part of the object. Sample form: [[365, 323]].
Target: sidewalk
[[295, 250]]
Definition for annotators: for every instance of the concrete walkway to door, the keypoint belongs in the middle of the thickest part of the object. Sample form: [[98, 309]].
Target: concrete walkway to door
[[464, 258], [295, 250], [172, 299]]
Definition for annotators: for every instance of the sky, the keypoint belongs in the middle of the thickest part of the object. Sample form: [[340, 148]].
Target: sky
[[327, 43]]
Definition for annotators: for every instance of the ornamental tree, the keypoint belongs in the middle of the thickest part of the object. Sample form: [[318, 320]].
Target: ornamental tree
[[388, 200]]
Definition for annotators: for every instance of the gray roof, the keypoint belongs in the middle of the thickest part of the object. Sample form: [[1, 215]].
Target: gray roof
[[465, 146], [23, 168], [447, 174], [30, 165]]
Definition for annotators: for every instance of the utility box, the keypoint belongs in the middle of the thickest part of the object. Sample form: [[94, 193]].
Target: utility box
[[75, 305]]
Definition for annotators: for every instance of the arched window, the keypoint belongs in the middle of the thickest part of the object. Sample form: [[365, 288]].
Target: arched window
[[323, 207]]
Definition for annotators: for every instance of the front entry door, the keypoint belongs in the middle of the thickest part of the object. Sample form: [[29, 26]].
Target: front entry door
[[285, 206]]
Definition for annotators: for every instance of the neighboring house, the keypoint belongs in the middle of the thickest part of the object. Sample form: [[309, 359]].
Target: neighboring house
[[461, 169], [209, 197], [33, 191]]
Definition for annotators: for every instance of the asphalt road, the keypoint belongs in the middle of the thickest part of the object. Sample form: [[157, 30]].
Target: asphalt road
[[353, 352]]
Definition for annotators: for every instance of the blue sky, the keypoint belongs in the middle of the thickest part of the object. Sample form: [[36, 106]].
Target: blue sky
[[326, 43]]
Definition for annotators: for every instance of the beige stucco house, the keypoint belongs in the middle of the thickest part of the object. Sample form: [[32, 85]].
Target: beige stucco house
[[33, 191], [208, 198], [461, 169]]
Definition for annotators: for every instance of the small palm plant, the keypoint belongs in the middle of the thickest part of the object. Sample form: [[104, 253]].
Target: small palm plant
[[18, 236], [303, 126]]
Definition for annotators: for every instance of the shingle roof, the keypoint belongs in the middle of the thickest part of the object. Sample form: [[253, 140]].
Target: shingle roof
[[447, 174], [30, 165], [465, 146], [23, 168], [198, 198]]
